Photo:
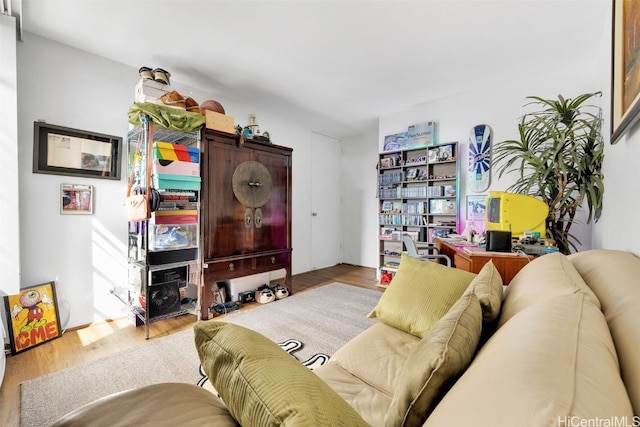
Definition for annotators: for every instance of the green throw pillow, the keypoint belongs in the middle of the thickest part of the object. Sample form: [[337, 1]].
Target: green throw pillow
[[435, 362], [488, 288], [420, 293], [262, 385]]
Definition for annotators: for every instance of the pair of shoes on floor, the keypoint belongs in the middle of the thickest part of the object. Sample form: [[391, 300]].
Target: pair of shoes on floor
[[281, 292], [157, 74], [266, 294]]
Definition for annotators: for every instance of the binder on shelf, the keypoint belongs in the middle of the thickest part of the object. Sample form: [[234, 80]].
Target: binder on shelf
[[168, 151], [178, 196], [176, 182], [176, 167], [179, 216]]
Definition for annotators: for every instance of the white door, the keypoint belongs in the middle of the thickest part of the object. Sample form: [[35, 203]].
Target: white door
[[326, 219]]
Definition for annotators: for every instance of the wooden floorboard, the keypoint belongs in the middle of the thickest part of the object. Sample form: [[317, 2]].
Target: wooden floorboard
[[105, 338]]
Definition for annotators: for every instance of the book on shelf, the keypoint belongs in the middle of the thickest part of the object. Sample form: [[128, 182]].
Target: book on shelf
[[177, 196], [446, 153], [387, 162], [433, 155], [412, 174], [442, 206], [389, 234]]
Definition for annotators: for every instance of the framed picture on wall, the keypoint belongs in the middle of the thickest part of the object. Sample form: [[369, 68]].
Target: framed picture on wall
[[625, 81], [476, 207], [76, 199], [60, 150], [33, 317]]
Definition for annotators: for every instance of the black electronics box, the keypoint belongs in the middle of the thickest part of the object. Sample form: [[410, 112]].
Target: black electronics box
[[498, 241], [176, 274], [177, 255], [246, 296]]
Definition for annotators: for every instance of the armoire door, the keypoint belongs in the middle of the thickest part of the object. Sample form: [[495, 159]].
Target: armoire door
[[224, 227], [271, 221]]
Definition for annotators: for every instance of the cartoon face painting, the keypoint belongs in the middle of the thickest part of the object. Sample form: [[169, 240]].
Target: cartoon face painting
[[29, 301], [34, 317]]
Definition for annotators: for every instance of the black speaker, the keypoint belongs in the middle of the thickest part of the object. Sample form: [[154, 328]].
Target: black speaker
[[163, 298], [498, 241]]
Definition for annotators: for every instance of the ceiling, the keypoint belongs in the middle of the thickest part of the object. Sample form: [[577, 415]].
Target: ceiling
[[335, 65]]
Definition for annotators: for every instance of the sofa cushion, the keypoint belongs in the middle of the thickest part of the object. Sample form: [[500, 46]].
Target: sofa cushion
[[487, 286], [263, 385], [444, 352], [378, 345], [613, 276], [370, 402], [420, 293], [156, 404], [544, 277], [365, 370], [553, 363]]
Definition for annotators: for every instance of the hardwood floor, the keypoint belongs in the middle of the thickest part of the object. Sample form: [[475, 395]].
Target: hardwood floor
[[101, 339]]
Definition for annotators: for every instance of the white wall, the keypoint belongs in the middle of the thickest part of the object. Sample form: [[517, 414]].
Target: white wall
[[9, 214], [86, 255], [9, 211], [359, 199]]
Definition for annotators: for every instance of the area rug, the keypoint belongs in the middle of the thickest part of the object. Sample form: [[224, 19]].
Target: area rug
[[311, 325]]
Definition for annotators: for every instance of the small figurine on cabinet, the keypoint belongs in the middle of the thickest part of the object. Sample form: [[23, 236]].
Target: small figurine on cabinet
[[252, 131]]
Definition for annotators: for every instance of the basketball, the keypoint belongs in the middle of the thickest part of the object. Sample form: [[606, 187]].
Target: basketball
[[211, 105]]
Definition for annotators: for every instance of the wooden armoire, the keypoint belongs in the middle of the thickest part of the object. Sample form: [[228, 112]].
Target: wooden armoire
[[245, 210]]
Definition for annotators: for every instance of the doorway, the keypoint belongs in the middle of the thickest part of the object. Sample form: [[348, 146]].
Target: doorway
[[326, 206]]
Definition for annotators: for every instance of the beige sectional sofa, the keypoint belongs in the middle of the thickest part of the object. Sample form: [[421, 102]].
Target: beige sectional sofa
[[562, 349]]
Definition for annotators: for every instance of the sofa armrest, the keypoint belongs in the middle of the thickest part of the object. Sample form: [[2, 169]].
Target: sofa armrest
[[158, 404]]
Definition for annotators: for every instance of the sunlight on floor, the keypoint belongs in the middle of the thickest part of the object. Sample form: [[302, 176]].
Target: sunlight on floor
[[97, 331]]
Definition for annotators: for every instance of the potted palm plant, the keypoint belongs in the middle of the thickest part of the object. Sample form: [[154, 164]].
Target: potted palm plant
[[558, 158]]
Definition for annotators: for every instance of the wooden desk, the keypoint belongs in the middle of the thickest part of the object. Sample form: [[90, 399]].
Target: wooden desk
[[508, 265]]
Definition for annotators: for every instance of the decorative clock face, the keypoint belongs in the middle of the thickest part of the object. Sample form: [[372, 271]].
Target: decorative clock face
[[480, 158], [480, 155], [252, 184]]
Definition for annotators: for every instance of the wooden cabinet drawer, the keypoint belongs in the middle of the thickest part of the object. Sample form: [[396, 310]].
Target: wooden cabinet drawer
[[267, 261], [235, 268], [461, 263]]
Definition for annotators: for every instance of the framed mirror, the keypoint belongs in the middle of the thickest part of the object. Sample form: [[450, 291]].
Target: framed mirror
[[60, 150]]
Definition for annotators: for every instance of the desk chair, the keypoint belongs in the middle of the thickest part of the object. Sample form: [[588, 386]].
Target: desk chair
[[412, 250]]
